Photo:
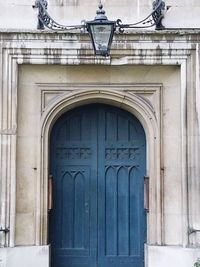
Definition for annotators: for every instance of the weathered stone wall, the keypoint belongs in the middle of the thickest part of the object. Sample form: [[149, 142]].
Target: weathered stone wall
[[19, 14], [30, 102], [155, 76]]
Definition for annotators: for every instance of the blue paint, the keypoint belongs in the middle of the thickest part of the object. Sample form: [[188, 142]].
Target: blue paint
[[97, 160]]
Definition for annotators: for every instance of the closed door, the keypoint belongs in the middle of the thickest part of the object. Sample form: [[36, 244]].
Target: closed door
[[98, 165]]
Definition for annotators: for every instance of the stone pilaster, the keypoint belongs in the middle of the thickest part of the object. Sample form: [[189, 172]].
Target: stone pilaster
[[8, 125], [193, 155]]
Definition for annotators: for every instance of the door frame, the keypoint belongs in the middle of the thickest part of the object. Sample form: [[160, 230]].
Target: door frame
[[150, 118], [96, 167]]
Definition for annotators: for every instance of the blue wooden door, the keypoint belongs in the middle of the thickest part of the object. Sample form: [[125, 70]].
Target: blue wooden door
[[98, 165]]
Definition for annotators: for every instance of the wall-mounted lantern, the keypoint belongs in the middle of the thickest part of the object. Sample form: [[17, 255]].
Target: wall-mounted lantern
[[101, 29]]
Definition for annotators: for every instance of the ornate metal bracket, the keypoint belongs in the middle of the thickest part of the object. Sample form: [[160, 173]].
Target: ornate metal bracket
[[45, 20], [158, 13], [4, 230], [192, 230], [154, 19]]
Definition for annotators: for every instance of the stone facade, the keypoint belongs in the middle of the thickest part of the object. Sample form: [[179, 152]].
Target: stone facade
[[153, 75], [19, 13]]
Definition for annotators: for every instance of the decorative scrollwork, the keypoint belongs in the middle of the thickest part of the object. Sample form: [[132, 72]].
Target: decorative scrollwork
[[45, 20], [122, 153], [154, 19], [158, 7], [73, 153]]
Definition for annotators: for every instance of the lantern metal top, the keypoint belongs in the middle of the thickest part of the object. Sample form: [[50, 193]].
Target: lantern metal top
[[100, 13]]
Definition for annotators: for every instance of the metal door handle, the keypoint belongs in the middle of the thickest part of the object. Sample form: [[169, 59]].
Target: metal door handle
[[50, 192], [146, 193]]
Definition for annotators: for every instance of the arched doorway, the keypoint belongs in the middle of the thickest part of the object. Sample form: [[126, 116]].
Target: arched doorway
[[98, 161]]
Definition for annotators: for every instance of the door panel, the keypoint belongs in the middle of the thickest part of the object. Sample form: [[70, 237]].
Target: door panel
[[72, 221], [121, 215], [74, 198], [98, 165]]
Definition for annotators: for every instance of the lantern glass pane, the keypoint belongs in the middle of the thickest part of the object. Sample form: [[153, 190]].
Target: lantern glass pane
[[101, 37]]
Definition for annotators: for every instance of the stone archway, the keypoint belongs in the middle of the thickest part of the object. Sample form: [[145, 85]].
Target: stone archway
[[137, 106]]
